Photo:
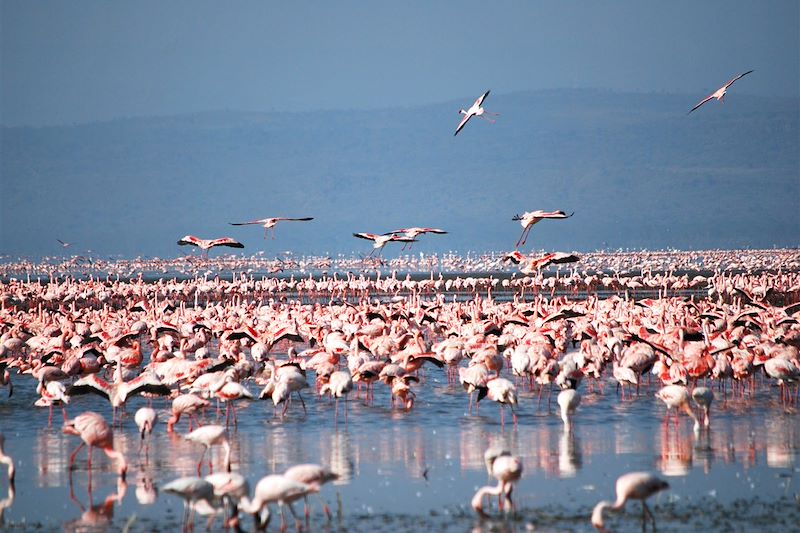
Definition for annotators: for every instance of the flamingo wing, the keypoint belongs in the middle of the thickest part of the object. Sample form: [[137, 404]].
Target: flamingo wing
[[260, 221], [434, 230], [736, 78], [703, 101], [367, 236], [226, 241], [90, 384], [302, 219], [481, 98], [396, 232], [191, 240], [463, 122]]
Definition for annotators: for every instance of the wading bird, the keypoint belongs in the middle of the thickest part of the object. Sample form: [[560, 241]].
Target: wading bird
[[719, 94], [630, 486], [95, 432], [475, 111]]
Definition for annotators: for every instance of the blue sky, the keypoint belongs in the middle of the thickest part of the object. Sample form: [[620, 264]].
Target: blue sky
[[67, 62]]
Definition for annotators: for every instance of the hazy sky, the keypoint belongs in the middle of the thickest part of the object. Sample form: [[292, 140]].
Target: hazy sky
[[65, 62]]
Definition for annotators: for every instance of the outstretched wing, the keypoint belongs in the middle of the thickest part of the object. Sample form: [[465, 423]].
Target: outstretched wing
[[191, 240], [703, 101], [736, 78], [251, 222], [226, 241], [303, 219], [481, 98], [367, 236], [434, 230], [463, 122]]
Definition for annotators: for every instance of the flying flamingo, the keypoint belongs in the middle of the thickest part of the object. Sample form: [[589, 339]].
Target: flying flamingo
[[529, 218], [206, 244], [533, 264], [475, 111], [379, 241], [269, 223], [630, 486], [719, 94], [64, 244], [413, 233], [95, 432]]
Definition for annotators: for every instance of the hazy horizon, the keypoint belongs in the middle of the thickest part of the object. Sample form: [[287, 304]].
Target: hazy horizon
[[126, 126]]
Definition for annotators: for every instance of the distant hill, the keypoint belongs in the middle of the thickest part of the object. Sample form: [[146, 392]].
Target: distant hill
[[637, 171]]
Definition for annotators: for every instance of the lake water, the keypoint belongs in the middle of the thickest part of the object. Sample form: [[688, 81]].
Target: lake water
[[415, 470]]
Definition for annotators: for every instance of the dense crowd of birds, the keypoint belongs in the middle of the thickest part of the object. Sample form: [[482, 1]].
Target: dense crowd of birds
[[200, 340]]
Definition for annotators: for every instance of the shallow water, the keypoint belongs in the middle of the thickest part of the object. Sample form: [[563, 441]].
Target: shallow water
[[411, 470]]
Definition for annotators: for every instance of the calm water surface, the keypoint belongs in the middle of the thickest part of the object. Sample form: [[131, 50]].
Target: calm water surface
[[418, 470]]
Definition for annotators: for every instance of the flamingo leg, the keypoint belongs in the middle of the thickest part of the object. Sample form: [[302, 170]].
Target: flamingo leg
[[74, 454]]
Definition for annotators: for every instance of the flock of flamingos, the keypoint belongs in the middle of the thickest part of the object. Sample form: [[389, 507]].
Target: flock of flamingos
[[628, 318]]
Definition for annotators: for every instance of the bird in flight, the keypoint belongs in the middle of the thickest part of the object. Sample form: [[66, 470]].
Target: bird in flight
[[206, 244], [413, 233], [64, 244], [529, 218], [532, 264], [719, 94], [475, 111], [379, 241], [269, 223]]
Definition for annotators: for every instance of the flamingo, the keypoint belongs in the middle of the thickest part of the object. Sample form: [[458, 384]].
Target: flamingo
[[630, 486], [64, 244], [6, 459], [145, 418], [340, 384], [206, 244], [532, 264], [475, 111], [315, 476], [275, 489], [529, 218], [719, 94], [703, 396], [568, 401], [677, 396], [379, 241], [413, 233], [507, 470], [118, 392], [185, 404], [269, 223], [209, 436], [95, 432], [192, 490], [503, 392]]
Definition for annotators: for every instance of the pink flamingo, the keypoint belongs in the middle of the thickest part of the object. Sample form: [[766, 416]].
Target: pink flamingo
[[719, 94], [529, 218], [630, 486], [379, 241], [206, 244], [475, 111], [95, 432], [269, 223]]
